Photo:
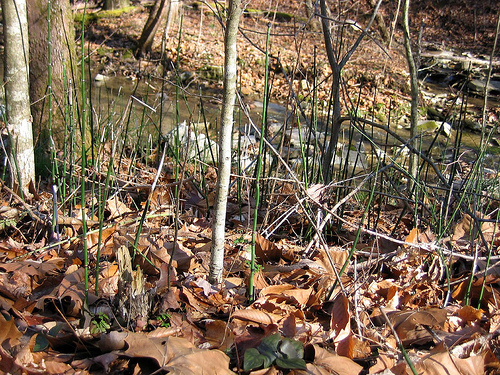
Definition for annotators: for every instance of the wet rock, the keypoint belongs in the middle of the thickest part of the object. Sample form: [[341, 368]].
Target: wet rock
[[477, 86], [354, 155], [297, 138], [431, 126], [243, 140], [434, 114], [291, 153], [472, 125], [212, 72], [192, 144], [99, 77]]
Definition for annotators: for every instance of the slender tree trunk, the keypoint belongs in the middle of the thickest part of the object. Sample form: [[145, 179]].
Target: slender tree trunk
[[145, 43], [62, 68], [337, 63], [335, 95], [223, 177], [16, 78], [413, 162]]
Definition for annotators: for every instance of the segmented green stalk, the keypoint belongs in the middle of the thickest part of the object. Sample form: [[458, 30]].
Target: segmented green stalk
[[84, 162], [51, 135], [253, 268]]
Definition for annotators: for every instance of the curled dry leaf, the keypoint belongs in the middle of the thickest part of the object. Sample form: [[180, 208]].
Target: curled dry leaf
[[257, 316], [56, 367], [470, 314], [462, 232], [107, 244], [200, 362], [21, 278], [218, 334], [333, 258], [490, 295], [317, 192], [105, 360], [451, 339], [383, 363], [71, 290], [35, 269], [416, 236], [116, 208], [113, 340], [288, 326]]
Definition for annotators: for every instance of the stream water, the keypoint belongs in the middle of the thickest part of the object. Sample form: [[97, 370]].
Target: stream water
[[147, 115], [160, 113]]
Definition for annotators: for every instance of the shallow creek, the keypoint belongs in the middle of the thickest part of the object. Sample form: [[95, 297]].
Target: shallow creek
[[112, 96]]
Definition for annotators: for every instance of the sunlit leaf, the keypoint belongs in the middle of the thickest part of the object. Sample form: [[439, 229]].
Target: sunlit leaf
[[291, 348]]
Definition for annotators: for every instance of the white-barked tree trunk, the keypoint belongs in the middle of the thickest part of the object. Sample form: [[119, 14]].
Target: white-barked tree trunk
[[17, 98], [225, 138]]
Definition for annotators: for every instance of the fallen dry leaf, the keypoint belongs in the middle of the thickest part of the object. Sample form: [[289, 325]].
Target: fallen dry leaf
[[266, 250], [407, 323], [340, 322], [297, 296], [176, 354], [330, 363], [257, 316], [470, 314], [441, 362], [9, 334], [218, 334], [180, 313]]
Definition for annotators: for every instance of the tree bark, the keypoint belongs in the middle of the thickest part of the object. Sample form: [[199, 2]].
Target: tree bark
[[16, 80], [223, 177], [156, 13], [62, 67]]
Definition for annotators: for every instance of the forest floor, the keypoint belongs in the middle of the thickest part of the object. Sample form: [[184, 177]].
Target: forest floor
[[376, 291]]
